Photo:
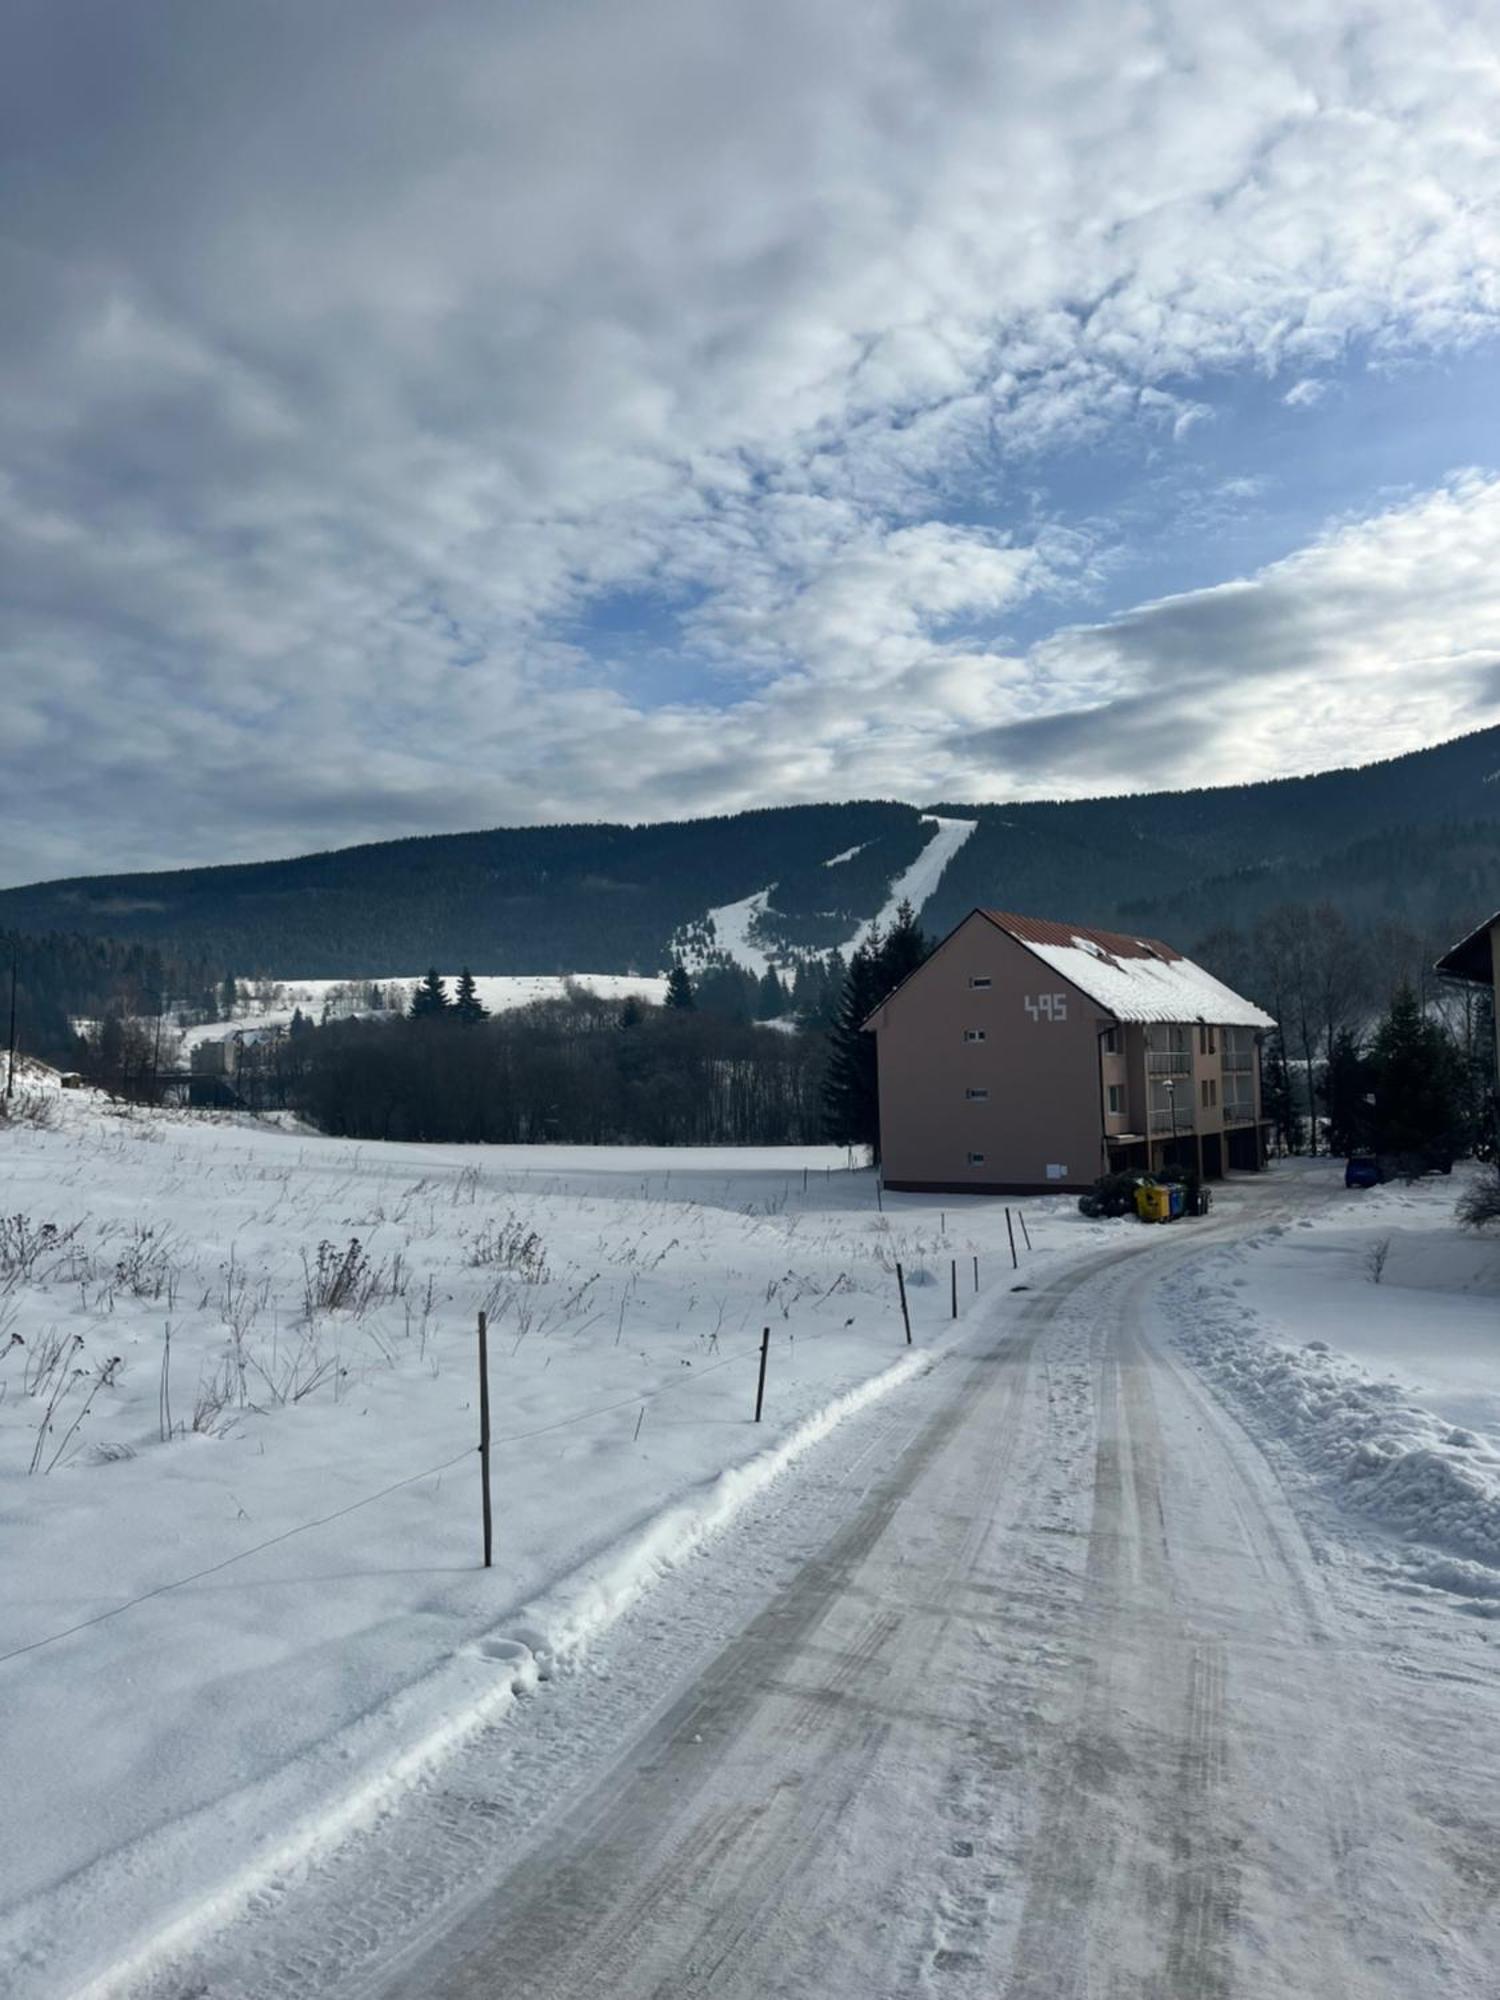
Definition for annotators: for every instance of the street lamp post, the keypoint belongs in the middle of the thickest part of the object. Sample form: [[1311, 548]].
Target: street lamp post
[[1170, 1086]]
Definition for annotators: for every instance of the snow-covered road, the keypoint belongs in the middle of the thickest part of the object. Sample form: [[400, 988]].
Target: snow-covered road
[[1030, 1682]]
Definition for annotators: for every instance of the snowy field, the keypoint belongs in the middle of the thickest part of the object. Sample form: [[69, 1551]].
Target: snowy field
[[1361, 1344], [238, 1414], [501, 993]]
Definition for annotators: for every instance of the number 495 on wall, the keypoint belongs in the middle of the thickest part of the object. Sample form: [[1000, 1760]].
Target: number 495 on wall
[[1047, 1006]]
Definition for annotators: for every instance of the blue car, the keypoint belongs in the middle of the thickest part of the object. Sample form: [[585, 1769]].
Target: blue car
[[1362, 1171]]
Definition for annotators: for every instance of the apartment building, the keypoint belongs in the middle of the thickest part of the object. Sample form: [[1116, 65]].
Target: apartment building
[[1028, 1057]]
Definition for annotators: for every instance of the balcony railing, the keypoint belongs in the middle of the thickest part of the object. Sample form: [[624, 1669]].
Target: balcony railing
[[1240, 1112], [1169, 1062], [1238, 1061], [1163, 1121]]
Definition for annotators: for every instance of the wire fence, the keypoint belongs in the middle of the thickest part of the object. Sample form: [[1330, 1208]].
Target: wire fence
[[640, 1399]]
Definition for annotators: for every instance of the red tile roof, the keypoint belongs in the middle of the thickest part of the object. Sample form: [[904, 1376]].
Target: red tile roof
[[1037, 930]]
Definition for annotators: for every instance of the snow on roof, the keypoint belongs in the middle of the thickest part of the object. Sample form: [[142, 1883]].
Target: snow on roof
[[1133, 978]]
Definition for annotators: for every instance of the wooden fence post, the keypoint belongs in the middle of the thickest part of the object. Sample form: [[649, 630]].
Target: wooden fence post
[[760, 1387], [976, 1270], [905, 1315], [953, 1277], [1011, 1233], [1024, 1230], [484, 1436]]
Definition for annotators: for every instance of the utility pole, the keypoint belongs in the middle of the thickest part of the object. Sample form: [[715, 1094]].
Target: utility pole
[[10, 1063], [484, 1438], [161, 1001]]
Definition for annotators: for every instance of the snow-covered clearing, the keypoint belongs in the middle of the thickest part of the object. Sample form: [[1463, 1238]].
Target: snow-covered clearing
[[243, 1356], [1361, 1343], [500, 992]]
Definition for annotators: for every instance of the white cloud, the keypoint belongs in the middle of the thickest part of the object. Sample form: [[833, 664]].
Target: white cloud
[[350, 361], [1304, 393], [1381, 634]]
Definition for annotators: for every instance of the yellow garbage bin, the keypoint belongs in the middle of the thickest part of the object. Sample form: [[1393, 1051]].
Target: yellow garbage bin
[[1153, 1204]]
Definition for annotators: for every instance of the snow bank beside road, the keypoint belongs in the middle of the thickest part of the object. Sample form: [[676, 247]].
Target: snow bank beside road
[[1259, 1320], [1387, 1456]]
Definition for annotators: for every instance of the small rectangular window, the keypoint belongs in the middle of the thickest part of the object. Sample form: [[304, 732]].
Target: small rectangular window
[[1112, 1042], [976, 981], [975, 1095], [1116, 1099], [976, 1159], [973, 1034]]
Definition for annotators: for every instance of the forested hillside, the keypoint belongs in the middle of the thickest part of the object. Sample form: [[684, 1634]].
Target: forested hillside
[[1415, 840]]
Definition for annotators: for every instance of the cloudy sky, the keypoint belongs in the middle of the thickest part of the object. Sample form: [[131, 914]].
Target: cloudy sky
[[426, 417]]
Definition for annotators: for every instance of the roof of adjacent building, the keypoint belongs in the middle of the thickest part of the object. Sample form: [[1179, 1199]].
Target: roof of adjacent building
[[1470, 958], [1133, 978]]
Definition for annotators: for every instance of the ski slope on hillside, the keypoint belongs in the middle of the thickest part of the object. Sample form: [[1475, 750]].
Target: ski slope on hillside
[[918, 883], [734, 923]]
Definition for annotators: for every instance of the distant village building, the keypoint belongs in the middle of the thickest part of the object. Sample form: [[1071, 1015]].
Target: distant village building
[[233, 1066], [1027, 1057], [1476, 958]]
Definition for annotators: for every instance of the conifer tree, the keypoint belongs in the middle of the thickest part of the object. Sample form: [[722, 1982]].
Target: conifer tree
[[431, 997], [1418, 1085], [1347, 1084], [904, 949], [851, 1096], [467, 1005], [680, 989], [770, 996]]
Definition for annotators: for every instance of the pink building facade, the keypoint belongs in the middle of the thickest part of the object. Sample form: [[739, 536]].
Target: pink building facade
[[1028, 1057]]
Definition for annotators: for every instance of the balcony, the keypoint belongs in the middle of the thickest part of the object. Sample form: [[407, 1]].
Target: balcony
[[1169, 1062], [1163, 1121], [1238, 1062], [1241, 1111]]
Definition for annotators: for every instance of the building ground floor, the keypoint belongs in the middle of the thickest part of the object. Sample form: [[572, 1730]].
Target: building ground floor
[[1242, 1149]]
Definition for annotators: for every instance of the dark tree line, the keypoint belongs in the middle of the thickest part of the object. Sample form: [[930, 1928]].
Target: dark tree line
[[63, 979], [1408, 1091], [1335, 985], [578, 1071]]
